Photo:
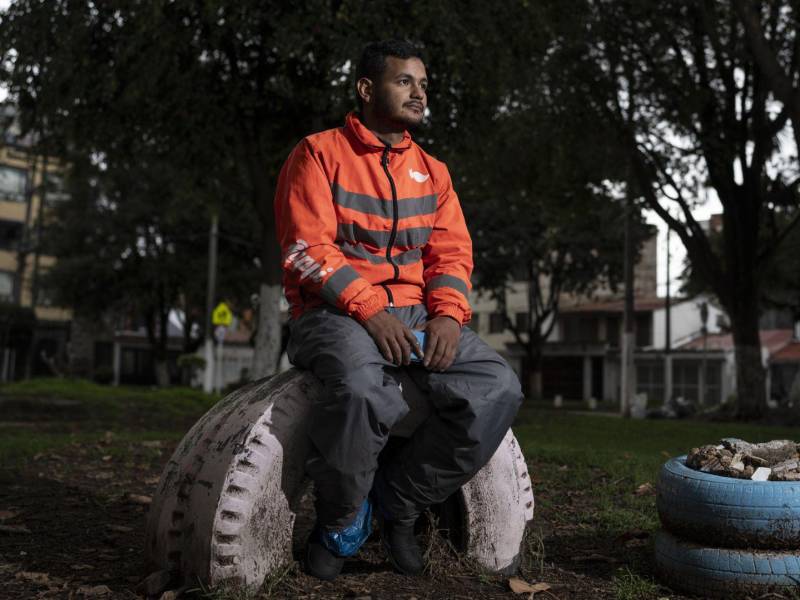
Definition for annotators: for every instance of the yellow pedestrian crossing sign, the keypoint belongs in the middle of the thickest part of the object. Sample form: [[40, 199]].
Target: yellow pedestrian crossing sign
[[222, 315]]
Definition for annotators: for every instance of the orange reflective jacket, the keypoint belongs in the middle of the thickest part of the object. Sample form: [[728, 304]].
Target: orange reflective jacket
[[363, 226]]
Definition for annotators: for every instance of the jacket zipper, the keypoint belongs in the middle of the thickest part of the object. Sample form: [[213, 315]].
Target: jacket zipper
[[393, 235], [388, 294]]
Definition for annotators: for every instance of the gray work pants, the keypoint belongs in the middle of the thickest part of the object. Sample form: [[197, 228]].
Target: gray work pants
[[473, 404]]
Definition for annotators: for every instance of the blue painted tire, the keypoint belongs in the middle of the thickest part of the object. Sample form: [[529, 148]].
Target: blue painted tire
[[723, 572], [728, 512]]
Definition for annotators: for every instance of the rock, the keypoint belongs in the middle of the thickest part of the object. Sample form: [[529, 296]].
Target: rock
[[761, 474]]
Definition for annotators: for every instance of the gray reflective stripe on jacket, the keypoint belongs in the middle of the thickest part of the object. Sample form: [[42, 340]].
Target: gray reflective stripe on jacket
[[408, 257], [450, 281], [406, 238], [406, 207]]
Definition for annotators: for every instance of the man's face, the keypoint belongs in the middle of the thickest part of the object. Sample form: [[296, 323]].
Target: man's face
[[400, 96]]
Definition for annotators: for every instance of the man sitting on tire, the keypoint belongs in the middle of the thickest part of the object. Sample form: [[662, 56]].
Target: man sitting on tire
[[375, 246]]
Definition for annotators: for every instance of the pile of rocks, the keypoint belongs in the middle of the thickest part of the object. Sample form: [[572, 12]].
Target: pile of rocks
[[778, 460]]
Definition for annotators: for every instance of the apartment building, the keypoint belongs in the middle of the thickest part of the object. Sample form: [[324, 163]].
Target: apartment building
[[29, 185]]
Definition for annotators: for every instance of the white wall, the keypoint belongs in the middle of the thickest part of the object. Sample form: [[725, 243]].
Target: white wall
[[686, 323]]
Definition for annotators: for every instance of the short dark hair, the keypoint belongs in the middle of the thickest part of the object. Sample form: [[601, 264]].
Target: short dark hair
[[372, 63]]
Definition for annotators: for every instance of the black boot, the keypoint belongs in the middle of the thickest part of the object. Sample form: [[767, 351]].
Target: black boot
[[319, 561], [397, 538]]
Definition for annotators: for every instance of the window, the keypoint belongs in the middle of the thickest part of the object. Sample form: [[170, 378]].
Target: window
[[644, 330], [685, 379], [56, 189], [497, 323], [10, 234], [650, 380], [579, 329], [12, 184], [613, 326], [713, 383], [6, 286], [522, 321]]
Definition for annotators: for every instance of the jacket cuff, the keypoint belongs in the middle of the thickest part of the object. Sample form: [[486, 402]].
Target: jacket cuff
[[366, 310], [449, 310]]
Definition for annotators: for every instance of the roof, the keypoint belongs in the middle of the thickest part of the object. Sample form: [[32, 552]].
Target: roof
[[771, 339], [641, 304], [789, 353]]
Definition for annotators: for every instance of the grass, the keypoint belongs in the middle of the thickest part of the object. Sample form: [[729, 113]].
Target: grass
[[630, 586], [586, 471], [45, 414], [108, 402], [586, 468]]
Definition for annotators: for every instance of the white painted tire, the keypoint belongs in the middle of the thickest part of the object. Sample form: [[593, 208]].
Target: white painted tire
[[226, 503]]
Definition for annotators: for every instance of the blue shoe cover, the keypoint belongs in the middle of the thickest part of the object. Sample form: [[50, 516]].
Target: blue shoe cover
[[346, 541]]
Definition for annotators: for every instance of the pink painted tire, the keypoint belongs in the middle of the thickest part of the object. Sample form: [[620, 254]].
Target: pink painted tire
[[225, 506]]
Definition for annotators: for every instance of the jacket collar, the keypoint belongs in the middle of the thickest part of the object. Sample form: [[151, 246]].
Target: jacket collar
[[357, 129]]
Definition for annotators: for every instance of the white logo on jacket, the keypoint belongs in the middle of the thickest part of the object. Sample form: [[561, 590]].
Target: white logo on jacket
[[417, 176], [298, 260]]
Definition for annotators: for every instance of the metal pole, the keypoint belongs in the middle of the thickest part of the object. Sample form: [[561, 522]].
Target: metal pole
[[701, 399], [208, 376], [668, 332], [628, 339]]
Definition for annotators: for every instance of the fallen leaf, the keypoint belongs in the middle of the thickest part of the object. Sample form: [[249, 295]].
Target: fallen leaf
[[94, 591], [7, 514], [665, 454], [33, 577], [14, 529], [152, 444], [139, 499], [101, 475], [106, 458], [120, 528], [520, 586], [170, 595], [151, 480], [81, 567], [646, 489], [563, 468]]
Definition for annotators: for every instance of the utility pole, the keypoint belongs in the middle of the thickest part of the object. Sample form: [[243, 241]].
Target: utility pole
[[668, 332], [208, 376], [704, 364], [628, 340]]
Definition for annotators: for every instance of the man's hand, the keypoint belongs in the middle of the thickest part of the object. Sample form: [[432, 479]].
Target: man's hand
[[441, 343], [393, 338]]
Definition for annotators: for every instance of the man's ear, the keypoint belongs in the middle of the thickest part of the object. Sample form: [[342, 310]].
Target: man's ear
[[364, 89]]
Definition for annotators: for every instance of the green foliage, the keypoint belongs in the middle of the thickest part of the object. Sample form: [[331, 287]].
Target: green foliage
[[631, 586], [669, 76], [191, 361], [108, 404]]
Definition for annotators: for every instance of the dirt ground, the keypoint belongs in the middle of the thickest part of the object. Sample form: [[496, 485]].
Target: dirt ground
[[72, 526]]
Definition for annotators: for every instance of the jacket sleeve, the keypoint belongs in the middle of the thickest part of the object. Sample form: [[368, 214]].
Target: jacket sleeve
[[306, 226], [447, 259]]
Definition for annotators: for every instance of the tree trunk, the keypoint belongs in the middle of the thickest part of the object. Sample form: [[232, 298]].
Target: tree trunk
[[534, 368], [162, 371], [268, 333], [268, 329], [534, 390], [751, 390]]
